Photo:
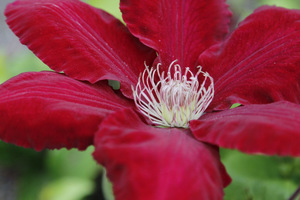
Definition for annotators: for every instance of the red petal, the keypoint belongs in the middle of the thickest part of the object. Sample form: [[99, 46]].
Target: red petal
[[147, 163], [49, 110], [84, 42], [260, 61], [269, 129], [177, 29]]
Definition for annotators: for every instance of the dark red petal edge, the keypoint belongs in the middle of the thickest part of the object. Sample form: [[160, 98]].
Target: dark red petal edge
[[177, 29], [272, 129], [84, 42], [49, 110], [260, 61], [146, 163]]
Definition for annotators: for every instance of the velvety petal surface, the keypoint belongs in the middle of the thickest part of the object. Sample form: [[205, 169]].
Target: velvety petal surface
[[177, 29], [272, 129], [260, 62], [84, 42], [49, 110], [146, 163]]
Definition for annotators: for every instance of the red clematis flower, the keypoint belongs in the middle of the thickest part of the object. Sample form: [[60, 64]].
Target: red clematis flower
[[157, 135]]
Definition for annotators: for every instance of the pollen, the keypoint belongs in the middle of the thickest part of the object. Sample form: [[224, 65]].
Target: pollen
[[175, 98]]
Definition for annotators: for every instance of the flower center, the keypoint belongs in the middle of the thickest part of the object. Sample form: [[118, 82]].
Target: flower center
[[174, 100]]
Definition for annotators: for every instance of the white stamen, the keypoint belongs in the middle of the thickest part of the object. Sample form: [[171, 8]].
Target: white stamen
[[174, 100]]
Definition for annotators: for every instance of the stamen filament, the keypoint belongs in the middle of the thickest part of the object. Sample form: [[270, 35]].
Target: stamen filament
[[173, 101]]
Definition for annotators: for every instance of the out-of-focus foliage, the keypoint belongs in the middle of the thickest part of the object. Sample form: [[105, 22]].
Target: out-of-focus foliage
[[72, 174], [67, 188], [260, 177], [15, 64], [69, 175], [110, 6], [49, 175], [283, 3], [107, 188], [243, 8]]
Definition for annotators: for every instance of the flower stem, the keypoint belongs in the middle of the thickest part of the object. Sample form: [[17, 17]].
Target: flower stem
[[295, 194]]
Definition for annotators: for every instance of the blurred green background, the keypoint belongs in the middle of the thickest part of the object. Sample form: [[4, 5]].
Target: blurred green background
[[73, 175]]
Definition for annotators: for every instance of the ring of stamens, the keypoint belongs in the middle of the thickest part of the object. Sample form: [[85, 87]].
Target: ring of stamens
[[175, 99]]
